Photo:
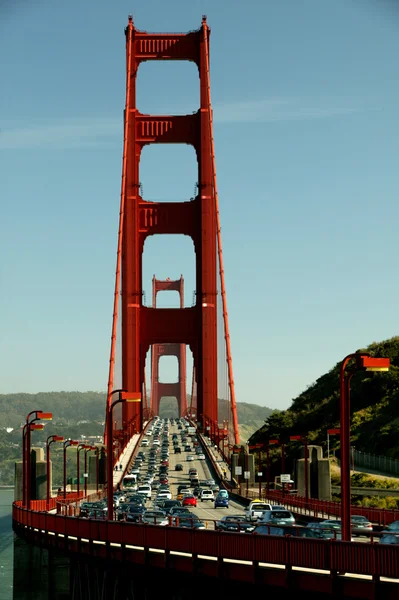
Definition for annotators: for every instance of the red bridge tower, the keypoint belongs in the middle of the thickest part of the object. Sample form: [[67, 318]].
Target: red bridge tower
[[143, 326], [160, 389]]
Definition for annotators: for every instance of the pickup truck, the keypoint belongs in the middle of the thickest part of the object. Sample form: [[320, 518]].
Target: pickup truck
[[255, 510]]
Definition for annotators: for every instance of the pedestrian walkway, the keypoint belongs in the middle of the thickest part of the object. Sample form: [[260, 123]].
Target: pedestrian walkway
[[221, 465], [124, 460]]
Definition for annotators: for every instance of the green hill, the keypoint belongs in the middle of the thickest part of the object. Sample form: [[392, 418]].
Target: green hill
[[79, 415], [374, 408]]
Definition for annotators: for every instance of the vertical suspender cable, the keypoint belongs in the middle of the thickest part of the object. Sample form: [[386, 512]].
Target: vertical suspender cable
[[220, 251], [111, 373]]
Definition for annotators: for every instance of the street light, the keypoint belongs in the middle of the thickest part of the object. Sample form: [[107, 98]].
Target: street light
[[67, 443], [279, 443], [79, 448], [304, 440], [26, 462], [124, 396], [335, 431], [363, 362], [258, 447], [86, 475], [50, 440]]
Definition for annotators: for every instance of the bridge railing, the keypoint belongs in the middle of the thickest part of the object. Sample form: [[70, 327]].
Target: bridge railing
[[333, 509], [333, 556], [312, 507]]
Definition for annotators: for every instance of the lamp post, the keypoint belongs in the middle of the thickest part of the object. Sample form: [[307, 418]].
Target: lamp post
[[335, 431], [258, 447], [86, 475], [79, 448], [363, 362], [279, 443], [304, 440], [50, 440], [123, 396], [67, 443], [26, 460]]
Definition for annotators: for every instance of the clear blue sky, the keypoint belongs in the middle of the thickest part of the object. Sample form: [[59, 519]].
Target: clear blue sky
[[305, 98]]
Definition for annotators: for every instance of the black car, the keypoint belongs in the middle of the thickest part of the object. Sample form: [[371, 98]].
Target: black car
[[135, 513], [177, 450], [234, 523], [167, 505], [179, 467]]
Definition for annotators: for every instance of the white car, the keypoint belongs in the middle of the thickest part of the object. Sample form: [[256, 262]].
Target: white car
[[164, 496], [145, 490], [201, 456], [190, 457], [144, 442], [155, 442], [207, 495], [155, 517]]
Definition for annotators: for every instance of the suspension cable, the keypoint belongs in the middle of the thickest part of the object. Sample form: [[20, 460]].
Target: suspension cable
[[111, 374], [220, 250]]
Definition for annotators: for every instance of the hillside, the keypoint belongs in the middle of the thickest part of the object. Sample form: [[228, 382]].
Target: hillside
[[78, 415], [374, 408]]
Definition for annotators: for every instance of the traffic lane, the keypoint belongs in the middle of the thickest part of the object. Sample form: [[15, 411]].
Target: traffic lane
[[205, 510]]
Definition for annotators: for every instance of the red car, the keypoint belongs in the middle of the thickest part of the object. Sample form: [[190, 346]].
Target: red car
[[163, 480], [165, 463], [189, 501]]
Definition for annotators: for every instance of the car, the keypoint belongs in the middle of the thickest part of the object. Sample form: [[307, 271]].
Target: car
[[206, 495], [201, 456], [192, 472], [182, 493], [255, 509], [155, 517], [134, 514], [179, 467], [163, 479], [187, 448], [221, 502], [277, 507], [236, 523], [277, 517], [163, 495], [177, 450], [210, 482], [179, 510], [167, 505], [144, 490], [190, 457], [287, 530], [325, 532], [360, 525], [189, 500], [223, 493], [389, 538]]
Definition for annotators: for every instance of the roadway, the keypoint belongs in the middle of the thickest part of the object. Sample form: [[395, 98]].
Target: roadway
[[204, 510]]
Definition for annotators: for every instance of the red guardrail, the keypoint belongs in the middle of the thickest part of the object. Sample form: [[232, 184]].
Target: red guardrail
[[323, 507], [329, 555]]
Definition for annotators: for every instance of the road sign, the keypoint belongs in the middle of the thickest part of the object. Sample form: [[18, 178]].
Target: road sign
[[260, 474], [247, 474], [238, 470], [285, 478]]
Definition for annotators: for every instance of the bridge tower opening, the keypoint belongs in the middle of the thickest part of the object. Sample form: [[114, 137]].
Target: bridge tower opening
[[160, 389]]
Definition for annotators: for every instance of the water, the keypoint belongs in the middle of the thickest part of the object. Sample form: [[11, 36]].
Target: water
[[6, 545]]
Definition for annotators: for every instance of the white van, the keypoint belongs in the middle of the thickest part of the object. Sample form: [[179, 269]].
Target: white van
[[255, 510]]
